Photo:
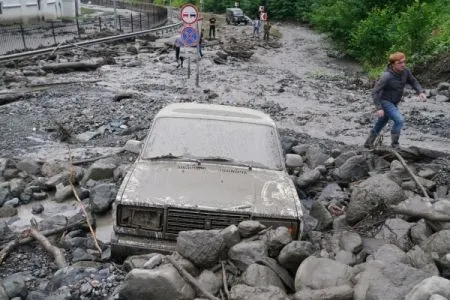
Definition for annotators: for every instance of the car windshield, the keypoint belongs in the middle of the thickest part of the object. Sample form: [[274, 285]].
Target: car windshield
[[227, 142]]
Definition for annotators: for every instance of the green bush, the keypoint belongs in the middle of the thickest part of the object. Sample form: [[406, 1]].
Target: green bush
[[372, 39], [338, 18]]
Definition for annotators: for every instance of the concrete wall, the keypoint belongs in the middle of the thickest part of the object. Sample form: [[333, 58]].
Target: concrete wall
[[29, 11]]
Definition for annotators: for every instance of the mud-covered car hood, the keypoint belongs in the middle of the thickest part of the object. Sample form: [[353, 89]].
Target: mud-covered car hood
[[210, 186]]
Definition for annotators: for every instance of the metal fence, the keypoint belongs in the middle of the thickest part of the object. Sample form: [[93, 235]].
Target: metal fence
[[18, 38]]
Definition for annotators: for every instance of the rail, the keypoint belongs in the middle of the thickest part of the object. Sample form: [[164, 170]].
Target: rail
[[160, 31]]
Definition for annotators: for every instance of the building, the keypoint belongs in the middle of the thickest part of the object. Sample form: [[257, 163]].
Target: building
[[27, 11]]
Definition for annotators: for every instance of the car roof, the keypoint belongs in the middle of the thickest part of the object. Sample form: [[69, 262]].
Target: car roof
[[215, 112]]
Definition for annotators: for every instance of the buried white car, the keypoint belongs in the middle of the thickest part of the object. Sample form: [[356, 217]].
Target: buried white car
[[203, 166]]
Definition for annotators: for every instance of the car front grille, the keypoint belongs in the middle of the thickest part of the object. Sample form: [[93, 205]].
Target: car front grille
[[181, 220]]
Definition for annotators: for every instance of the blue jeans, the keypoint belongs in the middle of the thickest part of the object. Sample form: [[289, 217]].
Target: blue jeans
[[390, 112]]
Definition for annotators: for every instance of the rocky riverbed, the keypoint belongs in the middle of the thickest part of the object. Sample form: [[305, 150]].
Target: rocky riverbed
[[370, 230]]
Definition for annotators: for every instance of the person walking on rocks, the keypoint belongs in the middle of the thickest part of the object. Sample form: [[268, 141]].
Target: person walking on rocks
[[267, 27], [386, 96], [212, 27], [177, 46]]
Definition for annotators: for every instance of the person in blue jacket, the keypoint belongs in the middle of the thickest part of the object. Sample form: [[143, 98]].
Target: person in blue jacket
[[386, 96]]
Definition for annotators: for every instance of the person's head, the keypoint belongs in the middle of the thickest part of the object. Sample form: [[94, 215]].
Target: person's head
[[397, 61]]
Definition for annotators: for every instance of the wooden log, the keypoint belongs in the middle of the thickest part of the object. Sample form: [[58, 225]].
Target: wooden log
[[421, 215], [191, 279], [8, 248], [71, 66], [55, 251], [47, 233]]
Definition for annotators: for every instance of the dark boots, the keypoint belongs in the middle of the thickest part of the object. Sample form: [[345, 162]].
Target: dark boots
[[370, 140], [394, 139]]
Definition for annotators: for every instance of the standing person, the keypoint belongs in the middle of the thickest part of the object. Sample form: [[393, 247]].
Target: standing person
[[267, 27], [200, 43], [177, 46], [212, 27], [386, 96], [256, 25]]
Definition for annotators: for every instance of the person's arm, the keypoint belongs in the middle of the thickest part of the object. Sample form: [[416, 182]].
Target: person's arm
[[416, 85], [378, 89]]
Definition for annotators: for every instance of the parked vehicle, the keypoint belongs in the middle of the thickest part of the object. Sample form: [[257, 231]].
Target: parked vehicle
[[203, 166], [235, 16]]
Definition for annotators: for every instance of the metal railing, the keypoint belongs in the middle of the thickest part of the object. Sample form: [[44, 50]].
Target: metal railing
[[19, 38]]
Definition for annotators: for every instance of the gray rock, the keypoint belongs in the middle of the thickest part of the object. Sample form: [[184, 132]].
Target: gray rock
[[332, 192], [396, 231], [341, 292], [442, 98], [437, 297], [353, 169], [15, 286], [371, 193], [308, 178], [292, 255], [342, 158], [37, 209], [9, 174], [153, 262], [258, 275], [80, 254], [426, 173], [38, 196], [319, 273], [421, 260], [4, 192], [29, 165], [6, 233], [63, 193], [202, 247], [300, 149], [16, 187], [247, 253], [210, 282], [322, 215], [87, 136], [138, 261], [4, 162], [380, 281], [244, 292], [315, 157], [231, 235], [249, 228], [277, 239], [121, 171], [350, 241], [3, 294], [346, 257], [426, 288], [35, 295], [438, 242], [102, 196], [159, 284], [420, 232], [293, 161], [7, 211], [133, 146], [71, 275], [390, 253], [53, 222], [101, 169]]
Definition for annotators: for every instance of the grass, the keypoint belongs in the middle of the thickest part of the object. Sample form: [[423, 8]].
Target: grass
[[86, 11]]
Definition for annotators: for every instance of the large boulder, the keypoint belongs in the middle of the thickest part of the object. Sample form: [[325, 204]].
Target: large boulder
[[426, 288], [247, 253], [386, 281], [245, 292], [354, 168], [292, 255], [370, 194], [157, 284], [438, 242], [202, 247], [259, 275], [319, 273]]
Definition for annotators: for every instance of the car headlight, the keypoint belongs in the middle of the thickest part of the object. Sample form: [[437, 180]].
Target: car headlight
[[140, 217]]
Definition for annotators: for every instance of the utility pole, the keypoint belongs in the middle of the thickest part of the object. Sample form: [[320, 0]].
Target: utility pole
[[115, 14], [197, 76]]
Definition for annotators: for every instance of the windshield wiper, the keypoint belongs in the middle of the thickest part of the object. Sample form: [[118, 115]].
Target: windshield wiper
[[171, 156], [225, 159]]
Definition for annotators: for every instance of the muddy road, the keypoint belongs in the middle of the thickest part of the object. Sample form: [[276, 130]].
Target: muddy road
[[297, 80]]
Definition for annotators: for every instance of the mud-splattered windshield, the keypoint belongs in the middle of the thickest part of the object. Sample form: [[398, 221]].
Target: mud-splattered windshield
[[214, 140]]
